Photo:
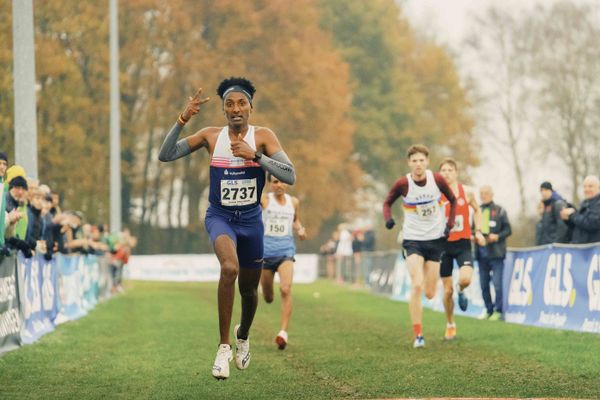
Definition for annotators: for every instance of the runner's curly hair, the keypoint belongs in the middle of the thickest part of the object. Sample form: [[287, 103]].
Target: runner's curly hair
[[236, 81]]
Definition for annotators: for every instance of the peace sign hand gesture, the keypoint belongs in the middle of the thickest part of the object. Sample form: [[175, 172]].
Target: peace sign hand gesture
[[193, 106]]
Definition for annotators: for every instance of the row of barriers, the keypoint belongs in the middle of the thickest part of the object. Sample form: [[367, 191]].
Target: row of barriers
[[37, 295], [553, 286]]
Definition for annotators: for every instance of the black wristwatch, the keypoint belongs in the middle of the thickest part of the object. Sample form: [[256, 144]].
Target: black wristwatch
[[257, 156]]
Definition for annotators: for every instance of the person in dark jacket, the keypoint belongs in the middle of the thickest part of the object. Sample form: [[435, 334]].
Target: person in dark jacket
[[34, 217], [47, 226], [495, 227], [17, 193], [586, 220], [551, 228]]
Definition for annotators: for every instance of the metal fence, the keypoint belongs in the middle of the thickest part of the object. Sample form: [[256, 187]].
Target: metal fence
[[366, 269]]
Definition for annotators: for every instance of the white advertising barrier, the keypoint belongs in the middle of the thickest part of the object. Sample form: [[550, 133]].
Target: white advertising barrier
[[201, 268], [400, 289]]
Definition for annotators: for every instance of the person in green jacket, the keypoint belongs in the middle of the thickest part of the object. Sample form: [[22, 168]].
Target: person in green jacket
[[16, 206]]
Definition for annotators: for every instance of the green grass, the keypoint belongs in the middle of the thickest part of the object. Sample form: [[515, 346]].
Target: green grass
[[158, 340]]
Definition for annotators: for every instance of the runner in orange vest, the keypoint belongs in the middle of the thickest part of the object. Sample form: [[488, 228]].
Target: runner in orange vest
[[458, 244]]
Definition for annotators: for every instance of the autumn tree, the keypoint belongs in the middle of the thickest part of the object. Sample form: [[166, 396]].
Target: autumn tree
[[303, 96], [405, 90], [7, 131], [342, 95]]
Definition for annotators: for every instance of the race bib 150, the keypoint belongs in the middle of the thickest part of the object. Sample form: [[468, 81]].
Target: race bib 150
[[277, 227]]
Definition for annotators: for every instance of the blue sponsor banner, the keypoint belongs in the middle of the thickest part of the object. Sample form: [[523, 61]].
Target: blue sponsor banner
[[36, 294], [556, 286], [36, 320], [90, 282], [49, 290], [47, 284], [10, 318], [70, 287]]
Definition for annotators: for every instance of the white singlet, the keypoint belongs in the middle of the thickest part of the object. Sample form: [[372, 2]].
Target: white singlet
[[423, 210]]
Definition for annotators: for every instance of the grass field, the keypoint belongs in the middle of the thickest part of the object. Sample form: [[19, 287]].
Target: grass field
[[158, 340]]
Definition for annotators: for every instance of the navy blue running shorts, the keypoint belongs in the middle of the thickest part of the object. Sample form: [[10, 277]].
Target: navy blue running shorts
[[245, 228]]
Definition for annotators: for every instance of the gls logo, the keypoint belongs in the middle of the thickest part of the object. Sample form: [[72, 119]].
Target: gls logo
[[520, 292], [593, 283], [558, 285]]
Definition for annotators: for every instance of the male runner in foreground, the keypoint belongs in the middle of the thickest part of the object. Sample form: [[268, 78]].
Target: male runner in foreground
[[424, 228], [240, 155]]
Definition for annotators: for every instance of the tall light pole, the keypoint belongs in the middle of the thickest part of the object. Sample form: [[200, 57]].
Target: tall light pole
[[115, 121], [24, 87]]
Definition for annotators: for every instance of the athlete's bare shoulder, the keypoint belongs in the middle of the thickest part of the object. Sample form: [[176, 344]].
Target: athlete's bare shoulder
[[264, 200], [469, 191], [266, 140], [209, 131], [263, 130], [471, 197], [264, 134], [205, 137], [295, 201]]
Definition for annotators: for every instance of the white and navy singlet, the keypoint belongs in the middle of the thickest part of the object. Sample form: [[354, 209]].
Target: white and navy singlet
[[235, 183]]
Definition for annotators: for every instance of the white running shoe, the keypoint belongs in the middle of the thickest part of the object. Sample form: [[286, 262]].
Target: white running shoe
[[220, 369], [419, 342], [242, 350], [281, 339]]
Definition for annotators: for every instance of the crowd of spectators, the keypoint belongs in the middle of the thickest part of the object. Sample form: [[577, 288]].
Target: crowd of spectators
[[32, 222], [562, 222]]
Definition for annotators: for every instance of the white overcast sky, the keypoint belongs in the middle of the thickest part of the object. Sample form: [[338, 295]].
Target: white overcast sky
[[449, 21]]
